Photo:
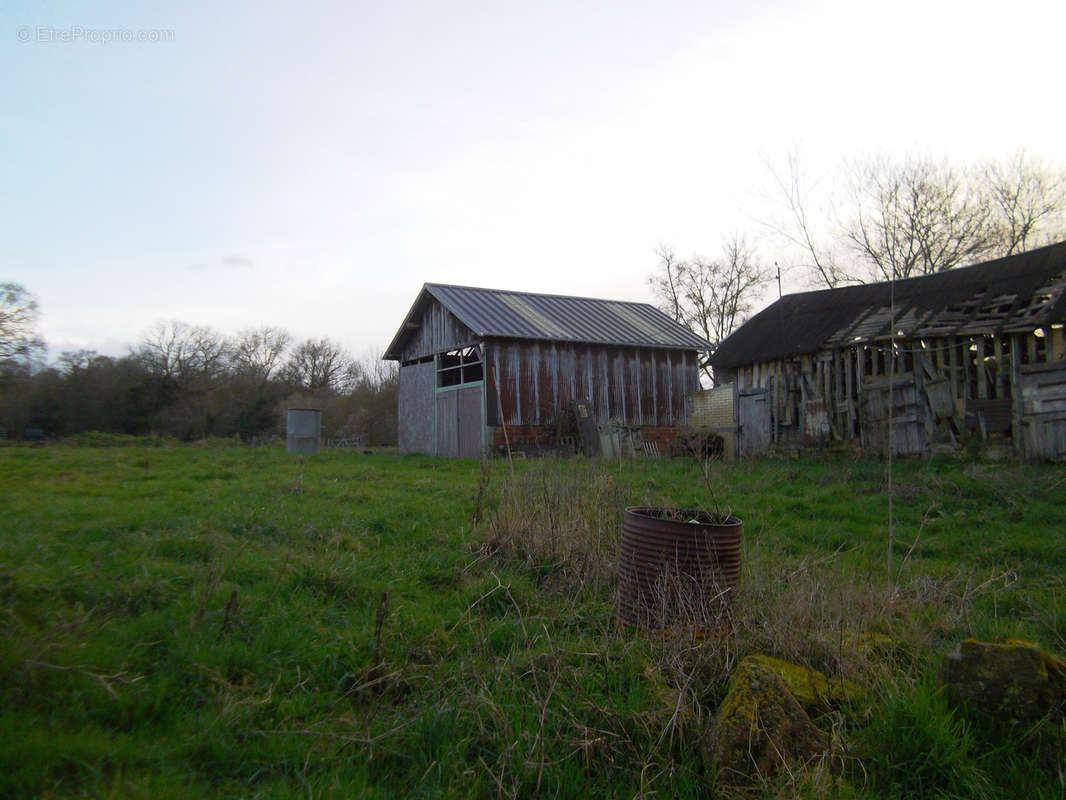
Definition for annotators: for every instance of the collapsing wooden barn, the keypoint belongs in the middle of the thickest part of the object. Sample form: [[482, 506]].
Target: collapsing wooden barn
[[971, 352], [481, 368]]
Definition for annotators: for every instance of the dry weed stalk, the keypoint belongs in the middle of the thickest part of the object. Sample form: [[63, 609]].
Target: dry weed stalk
[[481, 494], [563, 519], [98, 675]]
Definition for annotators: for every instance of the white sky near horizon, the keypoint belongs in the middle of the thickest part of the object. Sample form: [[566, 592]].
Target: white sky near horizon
[[311, 165]]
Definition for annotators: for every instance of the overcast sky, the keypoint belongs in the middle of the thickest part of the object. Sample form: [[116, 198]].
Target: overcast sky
[[310, 165]]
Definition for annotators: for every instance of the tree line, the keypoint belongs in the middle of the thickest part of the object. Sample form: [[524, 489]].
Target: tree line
[[189, 382], [872, 219]]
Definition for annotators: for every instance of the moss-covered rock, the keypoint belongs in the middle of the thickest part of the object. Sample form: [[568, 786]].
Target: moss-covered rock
[[1015, 680], [761, 728], [812, 688], [1056, 671]]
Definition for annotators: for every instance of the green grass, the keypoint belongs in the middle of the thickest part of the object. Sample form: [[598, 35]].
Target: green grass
[[190, 621], [917, 747]]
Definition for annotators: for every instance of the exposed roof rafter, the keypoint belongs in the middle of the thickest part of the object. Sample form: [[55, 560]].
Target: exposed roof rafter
[[1014, 294]]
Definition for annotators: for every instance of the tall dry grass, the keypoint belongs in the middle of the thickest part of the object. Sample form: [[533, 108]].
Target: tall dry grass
[[561, 518]]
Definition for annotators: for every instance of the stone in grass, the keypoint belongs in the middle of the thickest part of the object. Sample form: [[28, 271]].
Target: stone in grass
[[1012, 681], [812, 688], [1056, 671], [760, 728]]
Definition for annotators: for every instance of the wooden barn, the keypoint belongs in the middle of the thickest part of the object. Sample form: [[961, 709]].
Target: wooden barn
[[971, 352], [481, 367]]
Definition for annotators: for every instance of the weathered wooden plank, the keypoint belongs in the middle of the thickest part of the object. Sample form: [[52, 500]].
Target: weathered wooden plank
[[1035, 369], [1057, 344], [438, 330], [982, 376], [1001, 377], [447, 428], [416, 409], [898, 380], [953, 367], [1017, 413]]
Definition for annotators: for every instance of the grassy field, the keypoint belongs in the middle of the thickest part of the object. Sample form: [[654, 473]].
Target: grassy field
[[182, 621]]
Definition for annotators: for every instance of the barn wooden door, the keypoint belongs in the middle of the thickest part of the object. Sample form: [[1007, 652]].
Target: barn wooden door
[[753, 422], [460, 422]]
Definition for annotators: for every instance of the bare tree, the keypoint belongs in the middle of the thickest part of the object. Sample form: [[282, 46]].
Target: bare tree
[[19, 312], [799, 229], [887, 218], [742, 277], [370, 372], [189, 354], [75, 362], [320, 365], [257, 352], [711, 297], [369, 408], [666, 282], [189, 367], [916, 217], [1028, 198]]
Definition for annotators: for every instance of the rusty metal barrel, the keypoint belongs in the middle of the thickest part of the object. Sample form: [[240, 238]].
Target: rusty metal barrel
[[677, 567]]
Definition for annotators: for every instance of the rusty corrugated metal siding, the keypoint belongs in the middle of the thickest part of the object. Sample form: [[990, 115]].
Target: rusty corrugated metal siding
[[672, 568], [636, 386]]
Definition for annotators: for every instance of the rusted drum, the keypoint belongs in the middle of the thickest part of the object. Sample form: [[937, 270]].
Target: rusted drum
[[677, 567]]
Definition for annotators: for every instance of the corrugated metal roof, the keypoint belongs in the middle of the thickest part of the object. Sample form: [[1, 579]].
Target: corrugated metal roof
[[560, 318], [1015, 293]]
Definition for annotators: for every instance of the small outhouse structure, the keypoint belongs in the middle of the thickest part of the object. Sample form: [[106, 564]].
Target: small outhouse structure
[[481, 367], [971, 353]]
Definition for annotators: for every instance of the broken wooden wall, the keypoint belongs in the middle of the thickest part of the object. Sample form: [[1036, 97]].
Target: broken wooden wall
[[1043, 410], [1006, 384]]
